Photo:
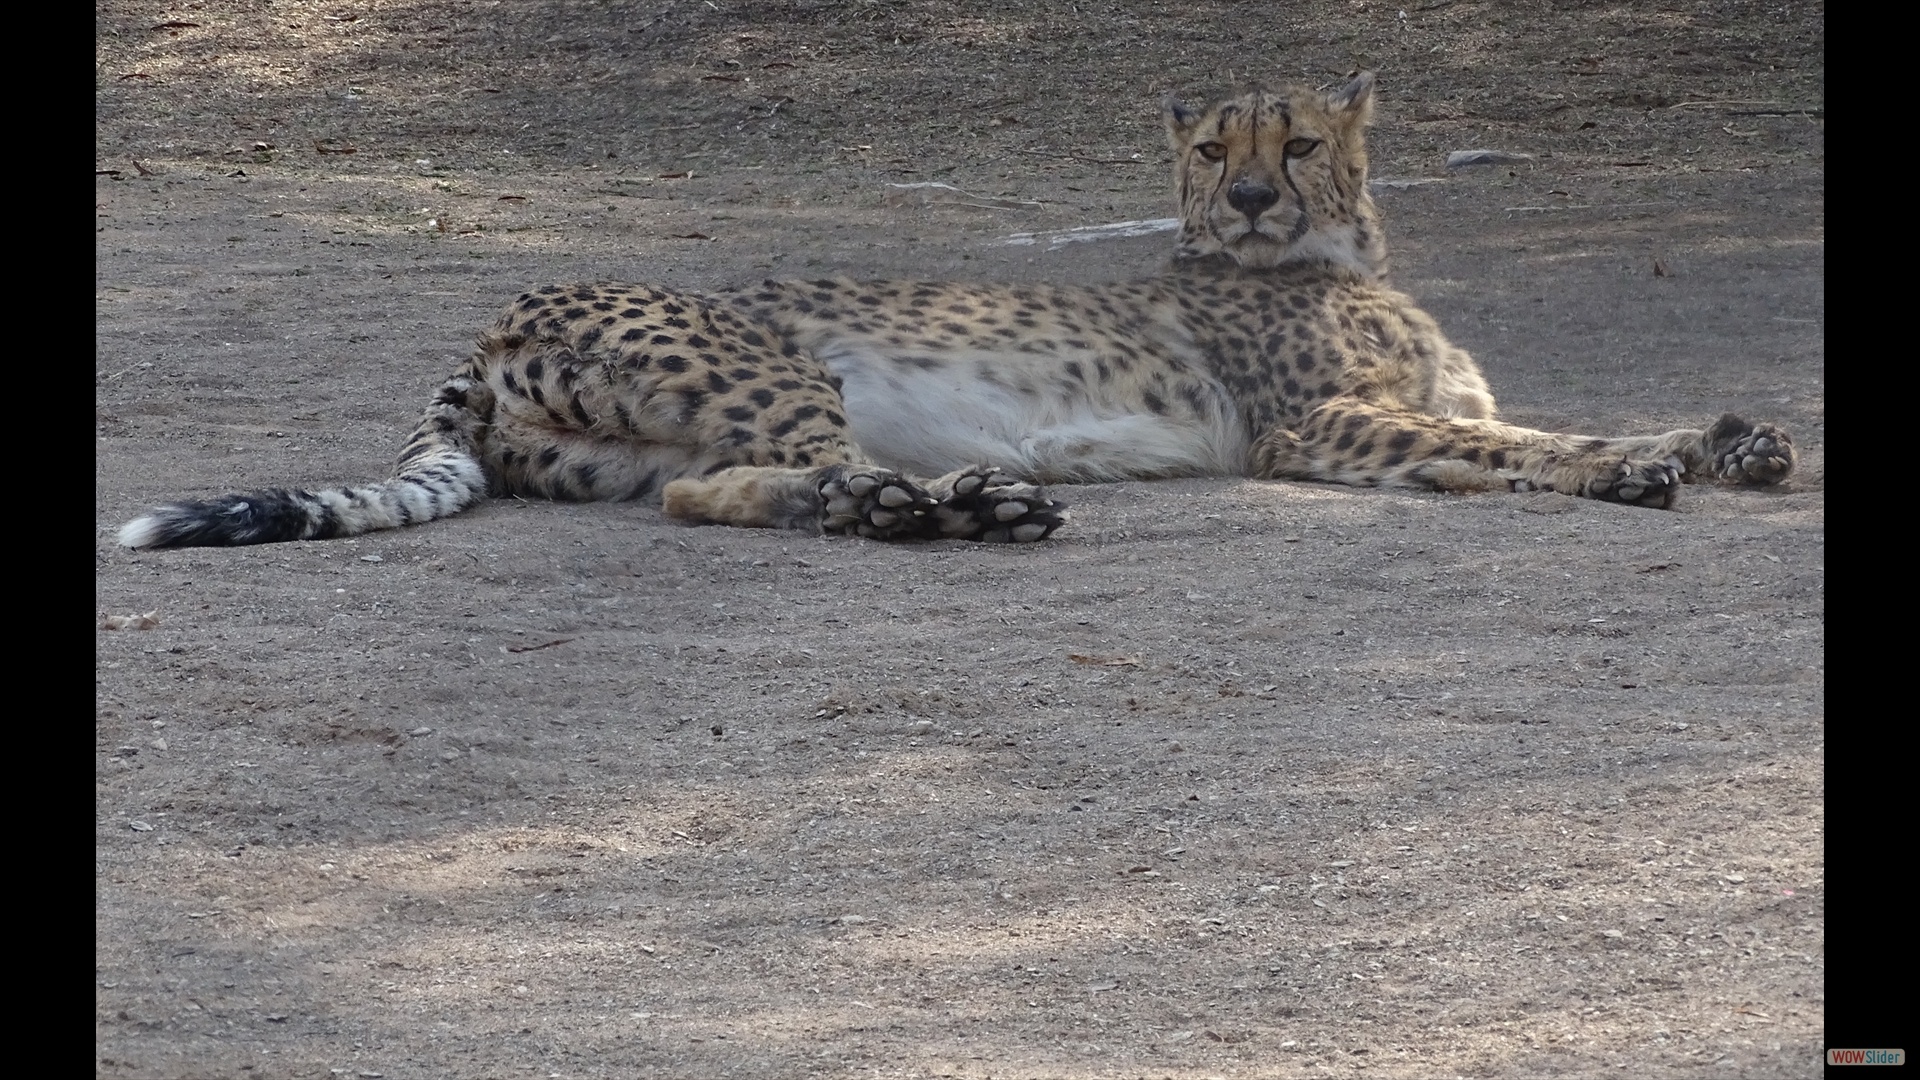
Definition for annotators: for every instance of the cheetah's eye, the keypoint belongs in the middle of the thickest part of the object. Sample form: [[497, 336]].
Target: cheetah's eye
[[1301, 147], [1212, 151]]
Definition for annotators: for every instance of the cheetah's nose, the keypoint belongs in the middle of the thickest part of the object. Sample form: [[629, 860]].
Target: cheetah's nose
[[1251, 197]]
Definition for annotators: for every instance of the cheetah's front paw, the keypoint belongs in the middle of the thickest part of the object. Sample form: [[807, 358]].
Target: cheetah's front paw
[[880, 504], [1641, 483], [975, 503], [1748, 453]]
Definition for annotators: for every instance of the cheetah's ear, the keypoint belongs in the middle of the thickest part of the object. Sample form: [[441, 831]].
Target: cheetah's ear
[[1181, 120], [1355, 99]]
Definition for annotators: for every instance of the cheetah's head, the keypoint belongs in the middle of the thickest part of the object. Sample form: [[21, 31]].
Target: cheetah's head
[[1273, 178]]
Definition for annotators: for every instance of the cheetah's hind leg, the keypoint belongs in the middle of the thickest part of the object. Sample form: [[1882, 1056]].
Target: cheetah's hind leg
[[869, 501], [859, 500]]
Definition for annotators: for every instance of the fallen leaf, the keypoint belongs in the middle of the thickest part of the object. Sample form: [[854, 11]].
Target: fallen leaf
[[537, 648], [1107, 661]]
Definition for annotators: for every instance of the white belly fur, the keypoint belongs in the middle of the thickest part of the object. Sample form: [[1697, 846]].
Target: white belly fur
[[930, 421]]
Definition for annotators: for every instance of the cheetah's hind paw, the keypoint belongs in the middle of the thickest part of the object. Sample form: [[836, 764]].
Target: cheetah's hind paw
[[865, 500], [976, 503], [1748, 453], [1641, 483]]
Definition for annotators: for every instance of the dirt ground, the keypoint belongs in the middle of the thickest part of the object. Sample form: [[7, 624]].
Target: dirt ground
[[1228, 779]]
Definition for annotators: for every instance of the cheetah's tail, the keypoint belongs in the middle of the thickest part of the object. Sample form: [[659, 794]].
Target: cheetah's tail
[[439, 475]]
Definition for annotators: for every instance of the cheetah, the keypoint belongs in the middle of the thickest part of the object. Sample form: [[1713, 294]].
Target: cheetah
[[1269, 347]]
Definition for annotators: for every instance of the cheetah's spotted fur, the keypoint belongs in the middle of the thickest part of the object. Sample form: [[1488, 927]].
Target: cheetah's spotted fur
[[1269, 348]]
